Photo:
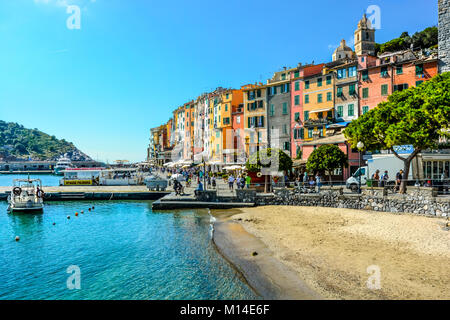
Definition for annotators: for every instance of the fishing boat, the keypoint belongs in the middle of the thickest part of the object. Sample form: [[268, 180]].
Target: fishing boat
[[62, 164], [26, 196]]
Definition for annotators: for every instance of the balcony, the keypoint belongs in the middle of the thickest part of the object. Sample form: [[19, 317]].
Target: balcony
[[318, 122]]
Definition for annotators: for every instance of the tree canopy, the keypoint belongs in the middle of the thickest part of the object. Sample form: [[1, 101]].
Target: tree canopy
[[264, 159], [327, 157], [418, 116], [424, 39]]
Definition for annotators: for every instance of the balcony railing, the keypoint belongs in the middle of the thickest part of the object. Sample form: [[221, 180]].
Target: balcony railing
[[318, 122]]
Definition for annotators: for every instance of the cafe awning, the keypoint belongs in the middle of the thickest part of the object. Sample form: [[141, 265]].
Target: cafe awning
[[321, 110]]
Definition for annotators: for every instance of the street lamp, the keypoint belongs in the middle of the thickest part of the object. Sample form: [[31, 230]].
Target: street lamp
[[360, 146]]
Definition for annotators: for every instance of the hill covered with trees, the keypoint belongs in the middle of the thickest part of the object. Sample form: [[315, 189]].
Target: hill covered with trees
[[18, 142], [425, 39]]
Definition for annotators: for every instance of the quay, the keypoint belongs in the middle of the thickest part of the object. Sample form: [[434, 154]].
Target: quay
[[89, 193]]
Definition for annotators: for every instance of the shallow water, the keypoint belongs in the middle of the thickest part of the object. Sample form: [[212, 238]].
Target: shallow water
[[48, 180], [123, 250]]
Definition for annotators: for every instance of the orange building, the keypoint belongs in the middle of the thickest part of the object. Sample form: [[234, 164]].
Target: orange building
[[380, 76]]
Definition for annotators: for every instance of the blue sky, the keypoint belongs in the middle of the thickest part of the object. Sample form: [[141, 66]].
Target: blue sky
[[132, 62]]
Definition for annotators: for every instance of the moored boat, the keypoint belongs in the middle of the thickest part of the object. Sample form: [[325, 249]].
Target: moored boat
[[26, 196], [62, 164]]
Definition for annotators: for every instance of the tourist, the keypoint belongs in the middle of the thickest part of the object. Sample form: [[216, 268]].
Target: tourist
[[242, 182], [231, 182], [376, 178], [305, 179], [318, 182], [248, 181], [445, 181], [384, 178], [312, 184], [213, 182], [398, 180]]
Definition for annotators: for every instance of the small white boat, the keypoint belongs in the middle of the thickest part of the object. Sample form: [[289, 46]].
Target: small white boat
[[26, 196]]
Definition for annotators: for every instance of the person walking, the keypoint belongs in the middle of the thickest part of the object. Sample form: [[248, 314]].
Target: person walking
[[318, 182], [305, 179], [213, 182], [248, 181], [231, 182], [384, 178], [376, 178], [398, 180]]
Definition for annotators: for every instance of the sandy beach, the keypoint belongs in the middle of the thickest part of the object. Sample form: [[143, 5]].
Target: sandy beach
[[330, 250]]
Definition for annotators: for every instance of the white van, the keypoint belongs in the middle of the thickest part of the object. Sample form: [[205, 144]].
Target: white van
[[380, 162]]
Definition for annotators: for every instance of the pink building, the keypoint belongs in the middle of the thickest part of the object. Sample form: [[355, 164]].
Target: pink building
[[338, 140]]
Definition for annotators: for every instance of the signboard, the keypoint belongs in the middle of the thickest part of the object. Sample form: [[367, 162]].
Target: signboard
[[405, 149], [77, 182]]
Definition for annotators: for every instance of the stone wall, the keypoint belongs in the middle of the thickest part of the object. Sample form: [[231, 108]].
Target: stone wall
[[420, 201], [444, 35]]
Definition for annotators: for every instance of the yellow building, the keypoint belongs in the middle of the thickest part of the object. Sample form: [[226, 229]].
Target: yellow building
[[318, 103], [229, 99], [255, 122]]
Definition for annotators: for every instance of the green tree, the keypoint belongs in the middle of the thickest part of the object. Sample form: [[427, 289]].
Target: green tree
[[418, 116], [263, 158], [326, 158]]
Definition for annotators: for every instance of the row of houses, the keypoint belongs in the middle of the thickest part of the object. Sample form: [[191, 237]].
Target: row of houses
[[297, 110]]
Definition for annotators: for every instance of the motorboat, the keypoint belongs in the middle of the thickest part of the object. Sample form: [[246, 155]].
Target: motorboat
[[26, 196], [62, 164]]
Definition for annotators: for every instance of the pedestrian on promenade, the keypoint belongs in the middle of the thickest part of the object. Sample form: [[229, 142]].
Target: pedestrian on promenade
[[312, 184], [213, 181], [398, 180], [376, 178], [248, 181], [231, 181], [305, 179], [318, 182], [384, 178]]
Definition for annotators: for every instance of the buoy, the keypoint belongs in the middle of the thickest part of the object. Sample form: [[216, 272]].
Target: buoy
[[89, 209], [76, 214], [17, 238]]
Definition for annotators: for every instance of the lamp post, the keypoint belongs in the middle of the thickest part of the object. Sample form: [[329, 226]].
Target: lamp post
[[360, 146]]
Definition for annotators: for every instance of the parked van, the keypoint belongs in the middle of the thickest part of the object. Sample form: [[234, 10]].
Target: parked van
[[380, 162]]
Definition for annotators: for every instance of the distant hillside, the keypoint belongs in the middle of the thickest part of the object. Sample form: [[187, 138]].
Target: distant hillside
[[18, 142], [425, 39]]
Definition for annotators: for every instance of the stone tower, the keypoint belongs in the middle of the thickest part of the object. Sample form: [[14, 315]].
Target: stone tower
[[444, 35], [365, 37]]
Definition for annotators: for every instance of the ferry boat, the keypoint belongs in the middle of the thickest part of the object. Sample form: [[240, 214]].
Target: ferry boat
[[102, 177], [26, 196], [62, 164]]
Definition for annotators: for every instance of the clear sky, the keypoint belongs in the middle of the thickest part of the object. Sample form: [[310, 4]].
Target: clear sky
[[132, 62]]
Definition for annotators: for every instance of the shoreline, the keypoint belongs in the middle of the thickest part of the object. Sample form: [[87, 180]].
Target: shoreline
[[325, 253], [266, 275]]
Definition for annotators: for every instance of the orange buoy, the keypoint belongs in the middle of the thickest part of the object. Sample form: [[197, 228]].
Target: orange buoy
[[76, 214]]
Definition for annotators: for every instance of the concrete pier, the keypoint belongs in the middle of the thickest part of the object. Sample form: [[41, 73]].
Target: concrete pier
[[90, 193]]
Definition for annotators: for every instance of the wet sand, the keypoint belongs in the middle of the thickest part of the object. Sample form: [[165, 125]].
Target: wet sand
[[311, 252]]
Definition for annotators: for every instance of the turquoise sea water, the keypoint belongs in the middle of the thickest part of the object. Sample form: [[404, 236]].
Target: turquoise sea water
[[48, 180], [123, 250]]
